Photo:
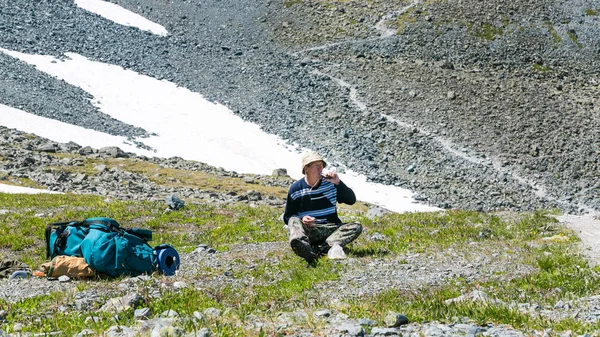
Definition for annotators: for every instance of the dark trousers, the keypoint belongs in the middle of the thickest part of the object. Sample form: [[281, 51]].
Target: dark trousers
[[340, 233]]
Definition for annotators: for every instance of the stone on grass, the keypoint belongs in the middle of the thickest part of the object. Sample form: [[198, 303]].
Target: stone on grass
[[393, 319]]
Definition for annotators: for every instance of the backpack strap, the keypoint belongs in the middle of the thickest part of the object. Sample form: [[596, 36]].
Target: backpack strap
[[61, 239], [144, 235], [112, 225]]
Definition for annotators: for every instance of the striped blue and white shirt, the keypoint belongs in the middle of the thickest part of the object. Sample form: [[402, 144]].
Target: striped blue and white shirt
[[319, 201]]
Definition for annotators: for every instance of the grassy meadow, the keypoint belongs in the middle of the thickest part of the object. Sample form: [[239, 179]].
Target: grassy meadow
[[536, 239]]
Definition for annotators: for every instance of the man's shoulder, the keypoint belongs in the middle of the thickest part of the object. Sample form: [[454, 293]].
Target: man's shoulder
[[297, 185]]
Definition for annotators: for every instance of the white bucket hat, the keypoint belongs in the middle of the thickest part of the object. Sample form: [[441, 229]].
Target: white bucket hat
[[310, 157]]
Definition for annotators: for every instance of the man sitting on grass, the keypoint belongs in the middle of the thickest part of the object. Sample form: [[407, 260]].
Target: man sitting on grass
[[311, 212]]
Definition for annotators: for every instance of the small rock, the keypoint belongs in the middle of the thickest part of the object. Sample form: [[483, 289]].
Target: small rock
[[248, 180], [119, 304], [305, 61], [253, 195], [48, 147], [179, 285], [378, 237], [199, 316], [446, 65], [212, 313], [351, 329], [100, 168], [280, 172], [79, 178], [393, 319], [169, 313], [376, 212], [85, 151], [323, 313], [367, 322], [143, 313], [120, 331], [113, 151], [385, 332], [174, 202]]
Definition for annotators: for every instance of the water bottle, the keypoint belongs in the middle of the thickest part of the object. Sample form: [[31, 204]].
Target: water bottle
[[329, 169], [19, 274]]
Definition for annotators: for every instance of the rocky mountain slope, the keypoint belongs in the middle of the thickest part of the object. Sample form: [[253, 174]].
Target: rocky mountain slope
[[474, 105], [27, 160]]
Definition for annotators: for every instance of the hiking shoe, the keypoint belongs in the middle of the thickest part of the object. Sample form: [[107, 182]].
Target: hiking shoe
[[320, 249], [303, 249], [336, 252]]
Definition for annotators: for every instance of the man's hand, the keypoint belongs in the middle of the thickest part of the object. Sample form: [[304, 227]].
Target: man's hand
[[332, 177], [308, 221]]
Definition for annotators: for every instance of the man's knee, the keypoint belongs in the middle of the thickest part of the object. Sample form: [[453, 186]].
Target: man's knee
[[296, 228], [355, 227], [345, 234], [295, 222]]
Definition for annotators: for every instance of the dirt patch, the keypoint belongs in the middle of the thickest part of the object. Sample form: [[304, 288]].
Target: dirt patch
[[587, 228]]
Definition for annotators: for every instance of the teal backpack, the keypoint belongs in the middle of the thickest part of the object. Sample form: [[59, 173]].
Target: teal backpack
[[106, 247]]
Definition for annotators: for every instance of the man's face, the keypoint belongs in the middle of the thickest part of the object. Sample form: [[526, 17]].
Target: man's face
[[314, 169]]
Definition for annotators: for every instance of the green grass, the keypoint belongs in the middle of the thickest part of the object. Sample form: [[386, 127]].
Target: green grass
[[591, 12], [562, 276], [540, 68], [169, 176], [559, 269], [573, 36], [405, 19], [46, 314], [27, 216], [433, 232], [293, 283], [557, 39], [486, 31], [279, 282], [290, 3]]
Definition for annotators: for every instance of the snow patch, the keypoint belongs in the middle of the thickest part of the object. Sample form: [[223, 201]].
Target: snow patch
[[121, 15]]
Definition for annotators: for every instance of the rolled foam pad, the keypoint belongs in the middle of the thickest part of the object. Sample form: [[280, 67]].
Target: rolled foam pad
[[168, 260]]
